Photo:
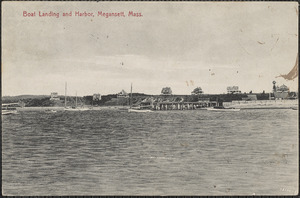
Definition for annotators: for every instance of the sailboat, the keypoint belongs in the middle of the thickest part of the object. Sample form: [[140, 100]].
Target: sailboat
[[137, 109], [76, 106]]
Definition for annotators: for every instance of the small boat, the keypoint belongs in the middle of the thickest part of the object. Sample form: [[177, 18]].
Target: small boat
[[221, 108], [9, 112], [77, 109], [73, 108], [295, 108], [10, 108], [50, 111], [136, 109], [140, 110]]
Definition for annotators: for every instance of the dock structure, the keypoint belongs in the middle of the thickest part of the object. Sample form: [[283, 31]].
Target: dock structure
[[164, 106]]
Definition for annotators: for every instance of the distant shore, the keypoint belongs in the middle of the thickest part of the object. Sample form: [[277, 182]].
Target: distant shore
[[42, 102], [62, 108]]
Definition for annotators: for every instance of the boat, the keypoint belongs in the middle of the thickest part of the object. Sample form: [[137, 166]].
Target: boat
[[74, 108], [221, 108], [140, 110], [136, 109], [10, 108], [50, 111], [9, 112], [123, 108]]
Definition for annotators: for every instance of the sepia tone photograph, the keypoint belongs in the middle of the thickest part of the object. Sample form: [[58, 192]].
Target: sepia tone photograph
[[149, 98]]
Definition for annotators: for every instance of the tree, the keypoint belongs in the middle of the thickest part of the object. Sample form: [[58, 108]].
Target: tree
[[197, 91]]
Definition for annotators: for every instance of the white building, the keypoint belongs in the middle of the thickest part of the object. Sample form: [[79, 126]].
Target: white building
[[233, 90], [97, 97], [54, 96], [122, 94], [166, 91]]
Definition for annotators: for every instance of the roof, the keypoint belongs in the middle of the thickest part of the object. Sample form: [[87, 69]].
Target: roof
[[123, 92]]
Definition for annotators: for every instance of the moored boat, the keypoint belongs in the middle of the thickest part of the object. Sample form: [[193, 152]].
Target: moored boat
[[9, 112], [221, 108], [140, 110], [73, 108], [77, 109], [50, 111], [10, 108], [136, 109]]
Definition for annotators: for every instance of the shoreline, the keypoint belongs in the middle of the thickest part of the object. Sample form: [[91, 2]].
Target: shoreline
[[63, 108], [125, 108]]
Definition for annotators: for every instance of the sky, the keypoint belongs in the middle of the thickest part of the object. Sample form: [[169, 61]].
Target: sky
[[181, 45]]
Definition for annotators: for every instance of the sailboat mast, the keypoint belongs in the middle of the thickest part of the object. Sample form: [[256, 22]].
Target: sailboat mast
[[65, 94], [76, 100], [131, 96]]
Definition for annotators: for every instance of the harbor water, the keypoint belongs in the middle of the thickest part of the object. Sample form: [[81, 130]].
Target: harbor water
[[113, 152]]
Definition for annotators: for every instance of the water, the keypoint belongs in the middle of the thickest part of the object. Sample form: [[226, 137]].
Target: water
[[111, 152]]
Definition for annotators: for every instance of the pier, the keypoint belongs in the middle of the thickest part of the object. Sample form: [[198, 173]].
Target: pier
[[164, 106]]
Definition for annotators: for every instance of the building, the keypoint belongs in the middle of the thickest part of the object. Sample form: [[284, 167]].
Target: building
[[233, 90], [54, 96], [122, 94], [96, 97], [166, 91], [280, 92], [282, 88]]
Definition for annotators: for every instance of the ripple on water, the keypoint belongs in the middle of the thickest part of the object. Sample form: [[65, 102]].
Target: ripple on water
[[111, 152]]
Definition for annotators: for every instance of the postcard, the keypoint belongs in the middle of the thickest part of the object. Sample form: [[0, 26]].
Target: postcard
[[149, 98]]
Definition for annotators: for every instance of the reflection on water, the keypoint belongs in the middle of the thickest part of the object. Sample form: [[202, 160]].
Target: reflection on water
[[111, 152]]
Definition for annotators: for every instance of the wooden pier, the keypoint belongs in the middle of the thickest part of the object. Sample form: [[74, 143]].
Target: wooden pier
[[165, 106]]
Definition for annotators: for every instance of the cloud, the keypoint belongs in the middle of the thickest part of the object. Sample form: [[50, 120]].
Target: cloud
[[176, 43]]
